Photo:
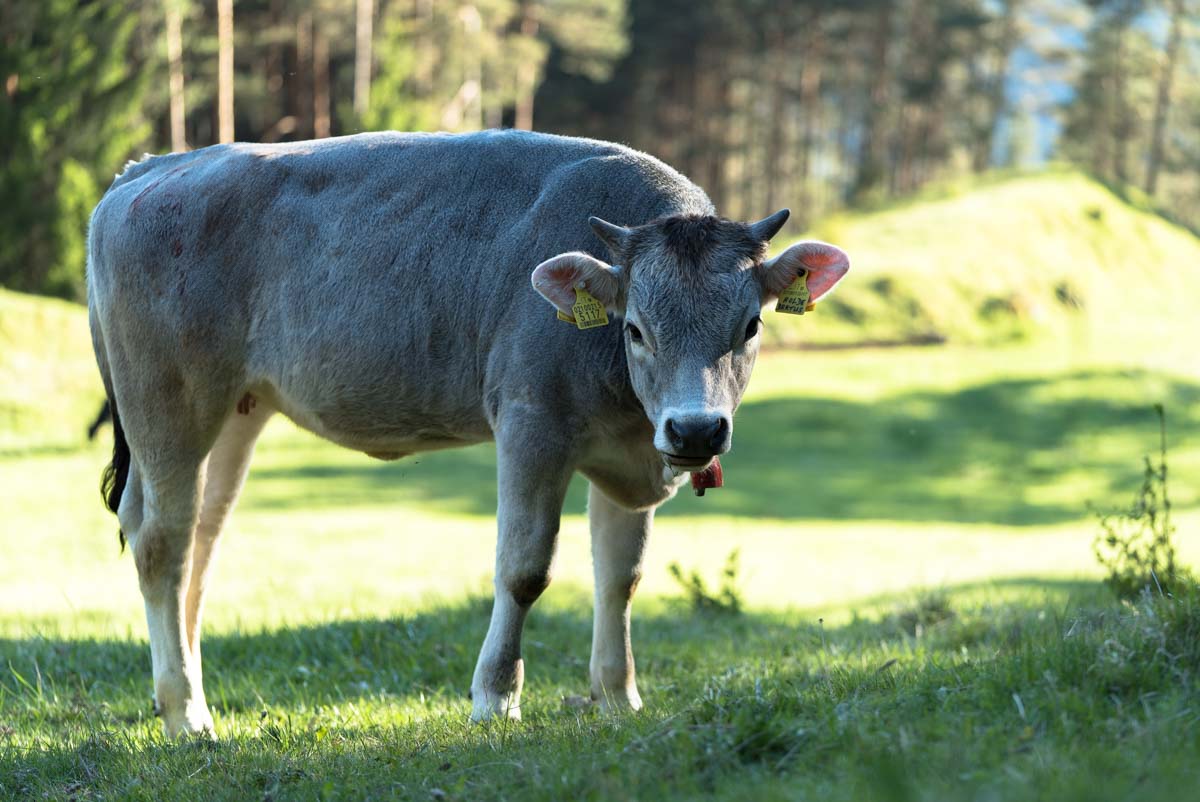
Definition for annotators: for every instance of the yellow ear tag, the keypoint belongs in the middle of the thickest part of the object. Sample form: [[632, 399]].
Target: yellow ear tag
[[795, 299], [589, 313]]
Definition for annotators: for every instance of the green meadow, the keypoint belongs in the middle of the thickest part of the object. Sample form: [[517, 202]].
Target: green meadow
[[923, 616]]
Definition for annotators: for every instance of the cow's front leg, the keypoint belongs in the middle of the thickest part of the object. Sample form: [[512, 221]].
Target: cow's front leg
[[618, 542], [533, 474]]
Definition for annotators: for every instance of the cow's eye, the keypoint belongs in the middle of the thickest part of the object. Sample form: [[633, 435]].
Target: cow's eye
[[635, 333], [752, 328]]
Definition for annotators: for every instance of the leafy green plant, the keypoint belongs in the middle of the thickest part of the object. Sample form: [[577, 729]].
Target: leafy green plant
[[1134, 545], [727, 600]]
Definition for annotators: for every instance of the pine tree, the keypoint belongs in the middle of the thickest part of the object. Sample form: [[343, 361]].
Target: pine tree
[[69, 117]]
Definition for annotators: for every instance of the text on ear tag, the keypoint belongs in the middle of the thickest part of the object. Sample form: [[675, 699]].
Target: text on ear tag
[[795, 299], [589, 313]]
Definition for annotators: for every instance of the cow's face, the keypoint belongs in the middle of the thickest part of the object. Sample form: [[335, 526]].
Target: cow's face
[[689, 293]]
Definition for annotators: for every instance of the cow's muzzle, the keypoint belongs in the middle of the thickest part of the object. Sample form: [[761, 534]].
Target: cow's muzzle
[[693, 440]]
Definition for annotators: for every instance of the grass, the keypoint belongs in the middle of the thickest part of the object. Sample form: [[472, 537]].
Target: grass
[[1054, 695], [47, 371], [922, 614]]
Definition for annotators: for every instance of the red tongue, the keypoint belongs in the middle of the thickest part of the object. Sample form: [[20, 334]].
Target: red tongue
[[709, 477]]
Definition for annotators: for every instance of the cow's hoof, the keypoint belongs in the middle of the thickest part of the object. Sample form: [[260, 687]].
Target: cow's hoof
[[194, 723], [618, 701], [491, 706]]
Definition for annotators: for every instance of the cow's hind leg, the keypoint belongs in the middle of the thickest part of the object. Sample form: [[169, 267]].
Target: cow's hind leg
[[224, 476], [618, 542], [169, 428], [168, 485], [532, 477]]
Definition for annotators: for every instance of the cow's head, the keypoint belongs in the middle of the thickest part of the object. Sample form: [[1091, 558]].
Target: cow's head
[[689, 292]]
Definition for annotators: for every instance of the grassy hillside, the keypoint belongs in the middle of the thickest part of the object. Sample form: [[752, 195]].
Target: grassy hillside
[[49, 385], [1053, 253]]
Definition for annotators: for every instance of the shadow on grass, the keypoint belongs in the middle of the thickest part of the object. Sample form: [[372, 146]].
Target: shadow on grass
[[1013, 452], [432, 653]]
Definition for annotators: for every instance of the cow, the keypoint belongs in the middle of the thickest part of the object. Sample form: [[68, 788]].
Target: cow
[[398, 293]]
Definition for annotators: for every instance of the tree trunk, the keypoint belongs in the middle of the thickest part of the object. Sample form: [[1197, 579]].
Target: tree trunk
[[423, 72], [810, 110], [362, 56], [320, 84], [775, 168], [303, 109], [1121, 121], [710, 124], [175, 73], [225, 70], [526, 71], [871, 152], [274, 64], [472, 22], [997, 96], [745, 151], [1162, 103]]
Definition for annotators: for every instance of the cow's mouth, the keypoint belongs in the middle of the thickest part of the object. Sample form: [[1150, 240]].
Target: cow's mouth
[[685, 464]]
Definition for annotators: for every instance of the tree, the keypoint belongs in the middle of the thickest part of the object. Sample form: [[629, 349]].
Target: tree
[[364, 24], [69, 117], [1113, 94], [225, 70], [1162, 104], [174, 31]]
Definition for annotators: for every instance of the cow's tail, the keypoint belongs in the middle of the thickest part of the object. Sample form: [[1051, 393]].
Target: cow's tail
[[116, 474]]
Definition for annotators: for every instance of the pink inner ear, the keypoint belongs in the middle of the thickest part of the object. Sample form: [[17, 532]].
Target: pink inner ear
[[826, 265], [555, 279], [821, 258]]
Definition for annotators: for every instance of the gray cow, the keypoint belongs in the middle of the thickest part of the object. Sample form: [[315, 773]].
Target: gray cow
[[389, 293]]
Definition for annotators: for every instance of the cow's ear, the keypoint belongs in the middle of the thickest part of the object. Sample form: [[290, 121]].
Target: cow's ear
[[825, 263], [557, 279]]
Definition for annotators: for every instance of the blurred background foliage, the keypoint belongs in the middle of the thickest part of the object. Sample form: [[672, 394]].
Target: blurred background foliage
[[816, 105]]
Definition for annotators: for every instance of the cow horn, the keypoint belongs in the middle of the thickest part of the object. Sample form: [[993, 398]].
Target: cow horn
[[768, 227], [614, 236]]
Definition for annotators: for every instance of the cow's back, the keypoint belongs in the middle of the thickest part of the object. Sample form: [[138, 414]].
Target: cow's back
[[378, 283]]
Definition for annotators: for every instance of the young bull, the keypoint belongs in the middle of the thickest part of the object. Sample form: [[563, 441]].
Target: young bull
[[376, 289]]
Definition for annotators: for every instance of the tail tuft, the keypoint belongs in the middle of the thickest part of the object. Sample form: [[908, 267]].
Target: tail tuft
[[116, 473]]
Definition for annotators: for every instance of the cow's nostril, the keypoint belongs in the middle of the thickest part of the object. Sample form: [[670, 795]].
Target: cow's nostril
[[718, 434], [673, 435]]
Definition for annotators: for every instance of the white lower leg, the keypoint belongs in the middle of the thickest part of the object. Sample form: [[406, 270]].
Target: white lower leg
[[162, 550], [178, 687], [500, 672], [614, 679], [618, 542]]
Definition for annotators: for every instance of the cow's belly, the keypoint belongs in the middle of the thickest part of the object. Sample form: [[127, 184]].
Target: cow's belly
[[381, 424]]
